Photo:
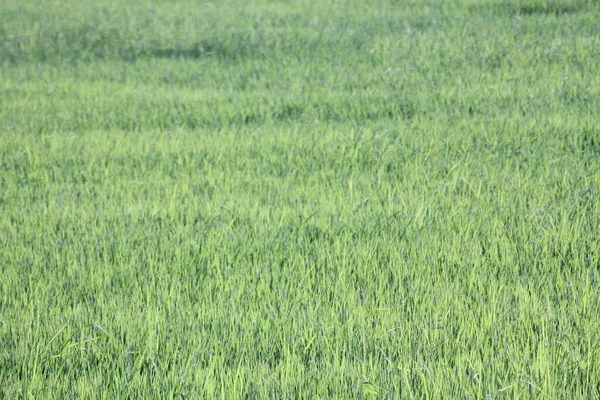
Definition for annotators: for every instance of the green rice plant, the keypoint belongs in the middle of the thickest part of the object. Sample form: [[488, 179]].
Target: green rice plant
[[274, 199]]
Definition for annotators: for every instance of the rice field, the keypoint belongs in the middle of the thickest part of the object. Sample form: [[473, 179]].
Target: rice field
[[300, 199]]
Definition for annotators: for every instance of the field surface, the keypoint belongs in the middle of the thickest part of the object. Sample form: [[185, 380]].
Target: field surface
[[300, 199]]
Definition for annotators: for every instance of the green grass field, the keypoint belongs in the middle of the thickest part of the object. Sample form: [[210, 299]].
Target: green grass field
[[300, 199]]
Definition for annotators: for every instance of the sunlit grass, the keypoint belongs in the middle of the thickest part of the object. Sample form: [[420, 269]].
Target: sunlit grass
[[276, 199]]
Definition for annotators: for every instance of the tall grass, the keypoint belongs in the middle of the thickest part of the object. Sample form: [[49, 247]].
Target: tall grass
[[275, 199]]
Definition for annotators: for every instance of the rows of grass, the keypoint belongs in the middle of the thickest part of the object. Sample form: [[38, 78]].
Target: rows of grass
[[276, 199], [280, 62]]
